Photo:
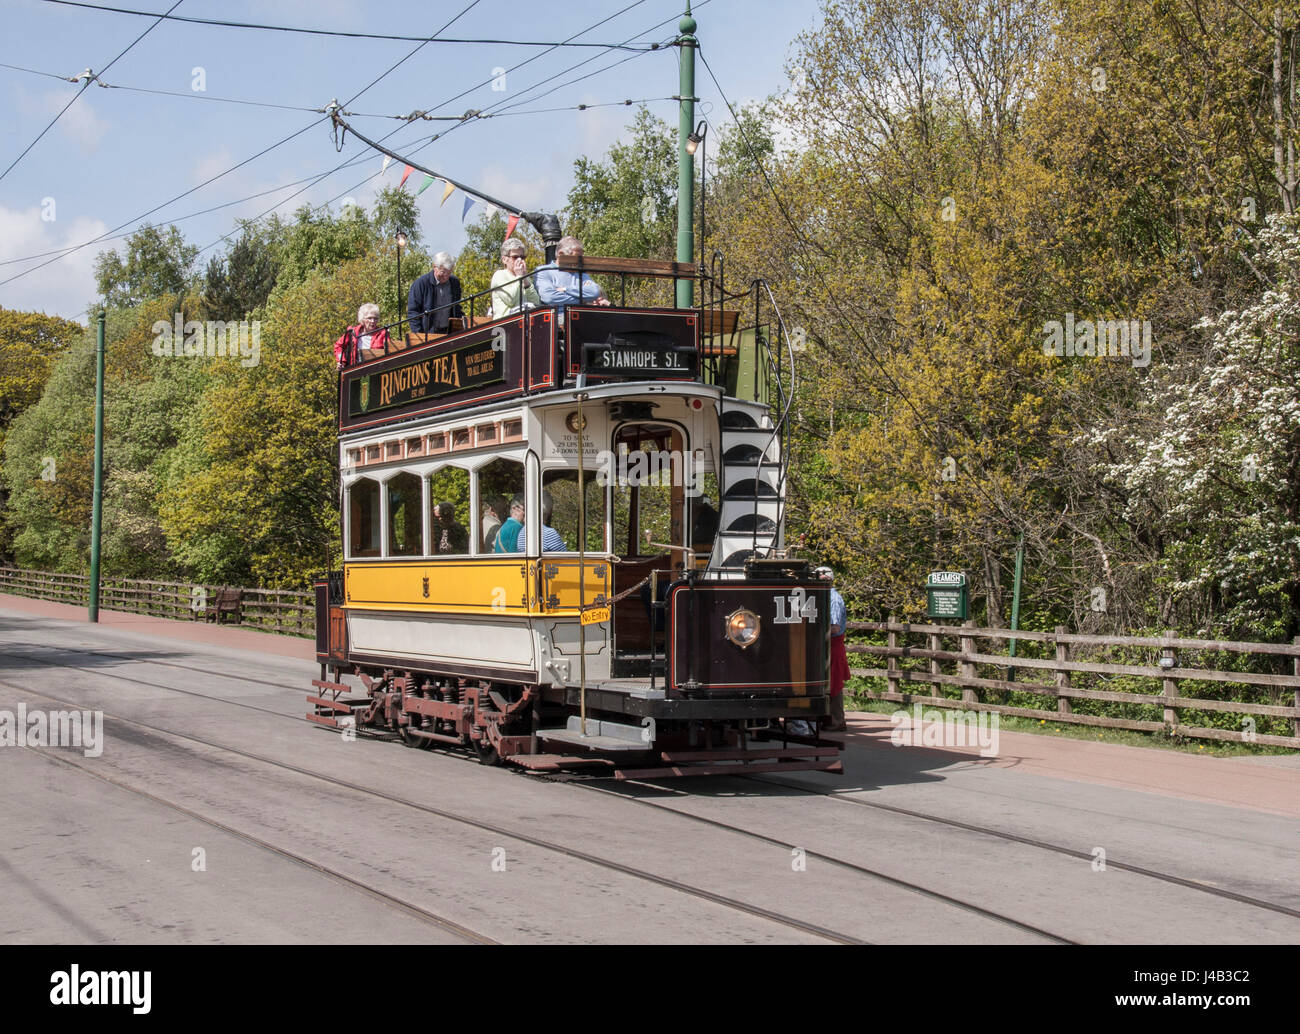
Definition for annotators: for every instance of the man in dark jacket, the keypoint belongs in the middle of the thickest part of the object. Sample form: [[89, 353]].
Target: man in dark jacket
[[435, 298]]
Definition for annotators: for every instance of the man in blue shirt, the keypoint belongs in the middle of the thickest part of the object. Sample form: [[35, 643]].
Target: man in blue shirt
[[552, 541], [559, 287], [508, 534], [839, 672]]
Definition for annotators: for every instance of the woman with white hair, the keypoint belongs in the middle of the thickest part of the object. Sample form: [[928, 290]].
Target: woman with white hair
[[511, 289], [364, 341], [434, 300]]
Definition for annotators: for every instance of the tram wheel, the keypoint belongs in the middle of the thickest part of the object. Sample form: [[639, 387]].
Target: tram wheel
[[486, 753]]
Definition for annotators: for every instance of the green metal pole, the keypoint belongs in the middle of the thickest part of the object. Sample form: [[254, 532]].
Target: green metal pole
[[685, 160], [1015, 601], [96, 508]]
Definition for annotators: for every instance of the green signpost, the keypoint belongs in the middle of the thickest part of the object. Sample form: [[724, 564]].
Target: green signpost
[[945, 593]]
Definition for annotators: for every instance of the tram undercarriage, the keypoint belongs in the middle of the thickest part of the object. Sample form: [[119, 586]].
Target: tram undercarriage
[[650, 737]]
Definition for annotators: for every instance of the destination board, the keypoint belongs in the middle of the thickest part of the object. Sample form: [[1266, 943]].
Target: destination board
[[644, 344]]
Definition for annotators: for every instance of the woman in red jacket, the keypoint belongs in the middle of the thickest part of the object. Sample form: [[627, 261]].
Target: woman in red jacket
[[366, 335]]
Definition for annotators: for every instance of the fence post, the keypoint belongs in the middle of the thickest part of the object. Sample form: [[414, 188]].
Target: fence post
[[891, 662], [936, 644], [1295, 669], [1170, 685], [1063, 705], [967, 668]]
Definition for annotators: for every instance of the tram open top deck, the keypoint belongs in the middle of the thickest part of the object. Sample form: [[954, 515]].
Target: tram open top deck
[[548, 349]]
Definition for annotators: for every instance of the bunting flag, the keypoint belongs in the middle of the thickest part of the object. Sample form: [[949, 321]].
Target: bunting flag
[[388, 160], [424, 186], [470, 202], [408, 172], [446, 194], [511, 223]]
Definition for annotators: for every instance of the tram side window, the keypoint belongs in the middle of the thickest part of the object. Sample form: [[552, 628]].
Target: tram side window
[[498, 483], [563, 488], [405, 516], [363, 518], [450, 517]]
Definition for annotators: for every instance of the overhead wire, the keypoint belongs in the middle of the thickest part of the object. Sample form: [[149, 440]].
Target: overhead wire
[[341, 33], [233, 168], [89, 78]]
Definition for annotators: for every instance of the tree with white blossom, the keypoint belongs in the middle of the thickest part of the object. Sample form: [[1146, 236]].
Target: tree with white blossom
[[1220, 477]]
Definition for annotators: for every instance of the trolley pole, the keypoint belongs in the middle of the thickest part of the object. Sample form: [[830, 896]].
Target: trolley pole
[[97, 505], [685, 159]]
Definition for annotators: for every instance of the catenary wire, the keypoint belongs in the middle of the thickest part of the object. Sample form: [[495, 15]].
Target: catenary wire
[[89, 79]]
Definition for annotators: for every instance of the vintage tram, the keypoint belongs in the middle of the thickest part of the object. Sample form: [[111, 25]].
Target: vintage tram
[[671, 635]]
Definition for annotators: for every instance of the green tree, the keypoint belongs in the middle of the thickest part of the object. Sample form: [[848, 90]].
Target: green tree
[[157, 262], [240, 280]]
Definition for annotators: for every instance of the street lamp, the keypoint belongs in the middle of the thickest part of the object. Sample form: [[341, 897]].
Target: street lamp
[[401, 243], [694, 142]]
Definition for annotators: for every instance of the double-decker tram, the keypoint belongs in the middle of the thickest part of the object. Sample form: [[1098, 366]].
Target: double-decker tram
[[649, 621]]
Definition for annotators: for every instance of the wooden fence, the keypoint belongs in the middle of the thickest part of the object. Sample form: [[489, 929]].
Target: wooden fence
[[288, 611], [1061, 677]]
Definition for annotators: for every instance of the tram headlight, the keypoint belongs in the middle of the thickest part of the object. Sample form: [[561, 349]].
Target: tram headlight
[[742, 627]]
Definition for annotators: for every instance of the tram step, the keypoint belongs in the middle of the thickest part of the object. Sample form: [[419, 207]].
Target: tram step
[[555, 762], [601, 735]]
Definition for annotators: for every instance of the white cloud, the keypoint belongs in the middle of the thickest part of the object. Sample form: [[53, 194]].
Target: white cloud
[[62, 288], [81, 124]]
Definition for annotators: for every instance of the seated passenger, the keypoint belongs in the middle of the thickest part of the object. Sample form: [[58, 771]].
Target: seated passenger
[[365, 337], [449, 538], [434, 299], [507, 285], [552, 542], [508, 533], [559, 287]]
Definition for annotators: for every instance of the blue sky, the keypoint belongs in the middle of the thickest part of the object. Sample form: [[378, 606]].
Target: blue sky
[[117, 153]]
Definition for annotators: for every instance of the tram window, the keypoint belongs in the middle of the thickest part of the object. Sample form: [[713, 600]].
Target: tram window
[[563, 488], [405, 516], [363, 518], [449, 489], [649, 489], [498, 483]]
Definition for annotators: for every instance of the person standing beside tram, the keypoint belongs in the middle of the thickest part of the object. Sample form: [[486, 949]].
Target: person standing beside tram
[[839, 672], [434, 299]]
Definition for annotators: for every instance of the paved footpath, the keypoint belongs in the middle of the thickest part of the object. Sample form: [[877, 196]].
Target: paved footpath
[[218, 815]]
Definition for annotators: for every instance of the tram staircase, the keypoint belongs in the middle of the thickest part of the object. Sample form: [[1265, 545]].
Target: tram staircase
[[751, 480]]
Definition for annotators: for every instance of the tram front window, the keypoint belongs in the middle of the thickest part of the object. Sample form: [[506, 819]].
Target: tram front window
[[363, 518]]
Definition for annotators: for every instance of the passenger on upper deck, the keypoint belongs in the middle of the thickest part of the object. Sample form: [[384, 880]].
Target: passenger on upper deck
[[365, 335], [507, 284], [552, 542], [435, 298], [559, 287]]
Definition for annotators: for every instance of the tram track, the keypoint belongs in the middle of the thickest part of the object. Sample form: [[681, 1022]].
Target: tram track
[[733, 904], [391, 900], [592, 782]]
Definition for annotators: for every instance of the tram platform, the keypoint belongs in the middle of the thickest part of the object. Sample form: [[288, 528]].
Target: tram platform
[[1266, 783]]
